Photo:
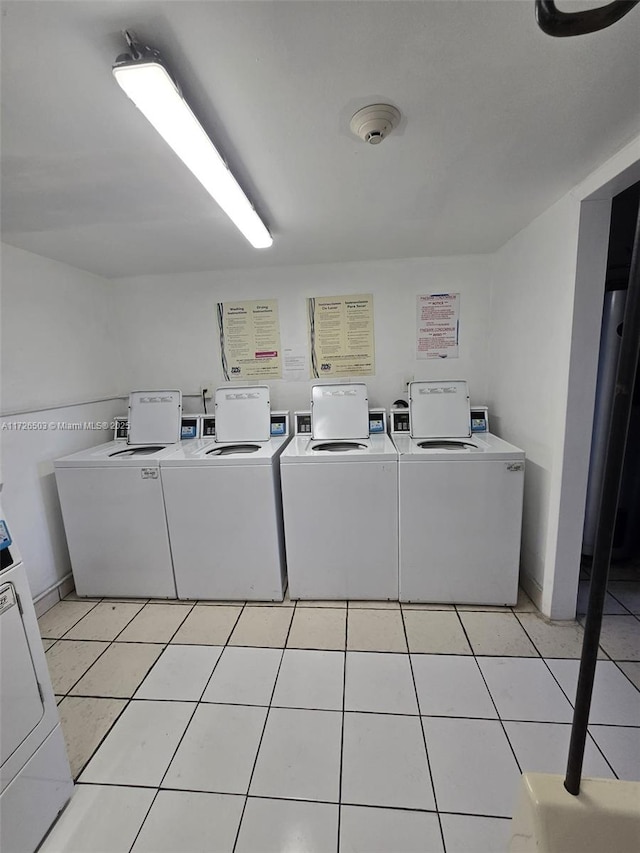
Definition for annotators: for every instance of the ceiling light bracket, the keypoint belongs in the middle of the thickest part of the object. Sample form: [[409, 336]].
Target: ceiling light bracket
[[141, 53], [138, 51]]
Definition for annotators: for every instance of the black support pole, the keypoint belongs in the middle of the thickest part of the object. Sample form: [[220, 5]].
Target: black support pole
[[619, 426]]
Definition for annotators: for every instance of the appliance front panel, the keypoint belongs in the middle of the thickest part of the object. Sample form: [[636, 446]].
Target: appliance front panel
[[341, 530], [116, 530], [21, 706], [226, 533], [460, 528]]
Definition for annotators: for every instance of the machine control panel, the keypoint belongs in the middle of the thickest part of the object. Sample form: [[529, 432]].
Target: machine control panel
[[5, 536], [400, 421], [189, 427], [279, 424], [6, 560], [303, 423], [208, 426], [479, 419], [377, 421], [121, 429]]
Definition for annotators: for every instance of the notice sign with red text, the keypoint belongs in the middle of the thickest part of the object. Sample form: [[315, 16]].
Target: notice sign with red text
[[250, 340], [438, 325]]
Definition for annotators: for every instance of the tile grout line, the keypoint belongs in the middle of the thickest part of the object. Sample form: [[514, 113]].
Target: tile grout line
[[109, 644], [424, 737], [573, 709], [129, 699], [264, 728], [541, 657], [158, 788], [502, 725], [296, 800], [617, 662], [71, 627], [364, 711], [344, 690], [592, 739], [569, 700], [531, 640], [615, 597]]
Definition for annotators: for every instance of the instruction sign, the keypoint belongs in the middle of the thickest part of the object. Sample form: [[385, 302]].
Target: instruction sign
[[341, 336], [250, 339], [438, 325]]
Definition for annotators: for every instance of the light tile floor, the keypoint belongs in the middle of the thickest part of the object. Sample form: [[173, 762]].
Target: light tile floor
[[328, 727]]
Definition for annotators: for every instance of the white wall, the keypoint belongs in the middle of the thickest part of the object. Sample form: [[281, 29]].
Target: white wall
[[58, 347], [532, 303], [169, 333], [560, 592], [546, 308]]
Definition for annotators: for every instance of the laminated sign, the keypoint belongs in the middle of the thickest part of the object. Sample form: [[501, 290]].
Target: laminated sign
[[341, 336], [438, 325], [250, 339]]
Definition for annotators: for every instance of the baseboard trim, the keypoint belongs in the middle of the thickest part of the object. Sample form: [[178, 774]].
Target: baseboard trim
[[53, 594]]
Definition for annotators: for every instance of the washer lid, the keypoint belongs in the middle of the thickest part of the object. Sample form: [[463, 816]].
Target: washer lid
[[340, 411], [243, 414], [439, 410], [154, 417]]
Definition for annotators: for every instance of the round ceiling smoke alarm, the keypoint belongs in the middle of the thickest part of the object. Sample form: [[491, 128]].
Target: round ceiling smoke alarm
[[375, 122]]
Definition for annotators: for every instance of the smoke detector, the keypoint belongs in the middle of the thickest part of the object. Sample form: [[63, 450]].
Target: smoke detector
[[375, 122]]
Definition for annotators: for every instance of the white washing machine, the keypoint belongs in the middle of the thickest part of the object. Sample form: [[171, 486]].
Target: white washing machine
[[35, 780], [222, 496], [460, 502], [340, 499], [113, 506]]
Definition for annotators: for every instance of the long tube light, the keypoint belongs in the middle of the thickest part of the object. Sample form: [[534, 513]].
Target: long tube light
[[148, 84]]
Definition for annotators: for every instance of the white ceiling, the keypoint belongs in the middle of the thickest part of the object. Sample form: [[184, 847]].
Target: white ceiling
[[499, 121]]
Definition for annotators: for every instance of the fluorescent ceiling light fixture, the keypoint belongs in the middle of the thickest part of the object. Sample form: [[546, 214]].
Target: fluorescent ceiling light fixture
[[149, 85]]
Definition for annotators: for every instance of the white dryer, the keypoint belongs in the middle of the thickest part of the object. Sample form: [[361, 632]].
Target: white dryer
[[222, 496], [460, 502], [35, 780], [113, 506], [340, 500]]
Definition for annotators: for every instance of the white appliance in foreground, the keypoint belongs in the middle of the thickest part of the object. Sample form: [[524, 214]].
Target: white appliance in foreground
[[113, 506], [222, 496], [460, 502], [340, 499], [35, 780]]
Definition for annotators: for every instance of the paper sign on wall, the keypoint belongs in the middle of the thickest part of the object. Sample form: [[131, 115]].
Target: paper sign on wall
[[295, 368], [341, 336], [250, 339], [438, 325]]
